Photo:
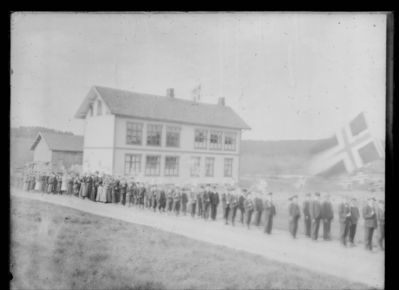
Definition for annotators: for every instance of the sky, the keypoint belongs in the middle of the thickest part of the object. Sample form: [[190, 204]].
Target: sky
[[288, 75]]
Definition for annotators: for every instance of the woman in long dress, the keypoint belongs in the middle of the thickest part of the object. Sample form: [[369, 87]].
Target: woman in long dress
[[110, 184], [59, 184], [69, 185], [103, 194], [38, 184], [64, 184], [82, 186], [76, 185], [99, 190]]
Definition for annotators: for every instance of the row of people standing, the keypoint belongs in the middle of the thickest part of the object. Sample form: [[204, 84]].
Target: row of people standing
[[203, 202]]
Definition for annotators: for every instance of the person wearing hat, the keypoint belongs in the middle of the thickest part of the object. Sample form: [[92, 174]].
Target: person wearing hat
[[141, 195], [206, 202], [240, 205], [184, 201], [306, 214], [123, 191], [381, 223], [233, 205], [226, 205], [161, 199], [327, 215], [354, 217], [249, 208], [370, 222], [315, 213], [270, 212], [177, 201], [258, 209], [344, 213], [294, 215], [169, 200], [214, 201], [154, 199], [192, 202], [199, 201]]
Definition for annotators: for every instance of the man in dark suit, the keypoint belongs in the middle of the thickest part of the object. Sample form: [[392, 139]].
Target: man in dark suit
[[249, 208], [226, 198], [354, 217], [199, 196], [241, 200], [306, 214], [370, 222], [233, 205], [315, 213], [344, 213], [381, 223], [206, 202], [258, 208], [327, 214], [270, 212], [214, 203], [294, 215]]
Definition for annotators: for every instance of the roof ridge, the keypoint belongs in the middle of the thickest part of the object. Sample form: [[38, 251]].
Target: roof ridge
[[159, 96]]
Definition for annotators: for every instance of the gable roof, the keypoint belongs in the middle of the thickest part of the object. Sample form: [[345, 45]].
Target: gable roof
[[131, 104], [60, 142]]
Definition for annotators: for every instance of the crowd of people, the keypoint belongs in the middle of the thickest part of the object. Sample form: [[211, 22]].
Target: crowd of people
[[203, 202]]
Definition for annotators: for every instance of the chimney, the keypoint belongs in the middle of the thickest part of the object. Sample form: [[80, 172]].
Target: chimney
[[170, 93], [221, 101]]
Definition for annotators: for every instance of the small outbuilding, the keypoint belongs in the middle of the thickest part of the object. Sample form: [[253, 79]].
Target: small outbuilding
[[57, 151]]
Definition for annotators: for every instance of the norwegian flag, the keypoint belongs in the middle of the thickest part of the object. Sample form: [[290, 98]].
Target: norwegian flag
[[349, 149]]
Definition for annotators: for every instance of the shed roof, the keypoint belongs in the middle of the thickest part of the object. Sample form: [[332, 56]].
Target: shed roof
[[60, 142]]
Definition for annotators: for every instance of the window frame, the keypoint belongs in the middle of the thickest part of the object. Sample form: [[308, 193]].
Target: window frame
[[131, 163], [233, 146], [133, 130], [230, 160], [172, 171], [157, 170], [198, 167], [216, 146], [204, 143], [99, 108], [150, 130], [207, 159], [173, 130]]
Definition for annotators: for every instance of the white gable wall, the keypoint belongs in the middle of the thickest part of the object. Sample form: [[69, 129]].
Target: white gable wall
[[42, 152], [99, 140]]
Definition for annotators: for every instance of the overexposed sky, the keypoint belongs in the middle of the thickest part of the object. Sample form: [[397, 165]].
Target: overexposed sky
[[288, 75]]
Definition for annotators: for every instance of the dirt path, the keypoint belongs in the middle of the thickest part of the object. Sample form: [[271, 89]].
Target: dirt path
[[354, 264]]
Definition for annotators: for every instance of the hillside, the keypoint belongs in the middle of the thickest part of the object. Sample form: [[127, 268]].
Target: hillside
[[275, 157]]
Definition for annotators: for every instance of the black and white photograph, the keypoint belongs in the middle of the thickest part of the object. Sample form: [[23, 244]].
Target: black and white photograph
[[198, 150]]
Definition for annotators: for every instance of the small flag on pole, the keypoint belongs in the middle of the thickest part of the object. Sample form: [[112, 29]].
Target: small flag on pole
[[196, 93]]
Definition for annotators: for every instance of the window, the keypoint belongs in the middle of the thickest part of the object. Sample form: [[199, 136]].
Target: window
[[200, 138], [171, 166], [228, 167], [91, 110], [99, 108], [134, 133], [154, 134], [172, 136], [195, 166], [209, 163], [152, 165], [230, 141], [132, 164], [215, 140]]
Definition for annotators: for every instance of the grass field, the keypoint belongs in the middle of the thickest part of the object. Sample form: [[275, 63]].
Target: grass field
[[60, 248]]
